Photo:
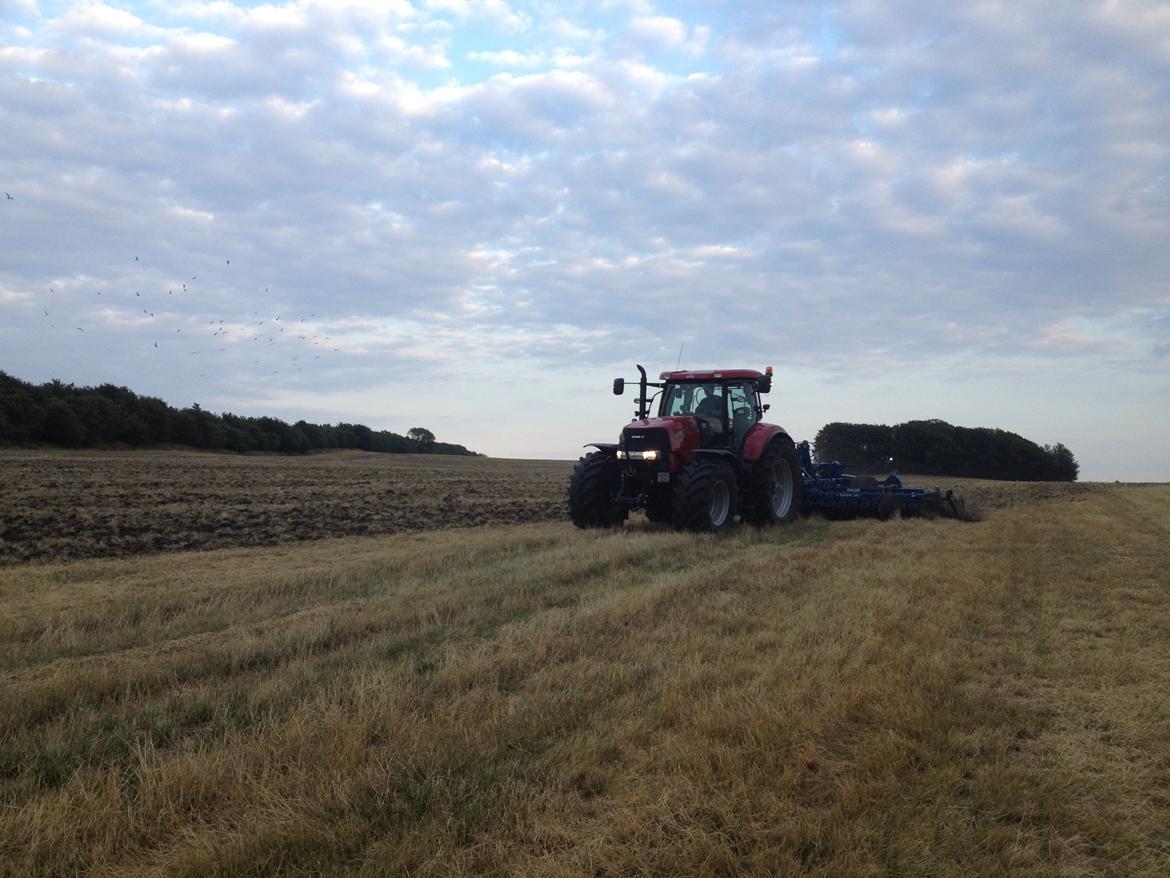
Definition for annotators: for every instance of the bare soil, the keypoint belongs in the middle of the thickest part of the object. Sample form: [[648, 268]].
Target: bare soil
[[65, 505]]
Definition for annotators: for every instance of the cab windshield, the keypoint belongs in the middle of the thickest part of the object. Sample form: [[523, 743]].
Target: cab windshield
[[704, 400]]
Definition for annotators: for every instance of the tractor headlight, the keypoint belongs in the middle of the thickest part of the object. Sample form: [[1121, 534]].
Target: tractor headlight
[[652, 454]]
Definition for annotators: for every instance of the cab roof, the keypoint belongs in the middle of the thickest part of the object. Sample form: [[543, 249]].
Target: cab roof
[[712, 375]]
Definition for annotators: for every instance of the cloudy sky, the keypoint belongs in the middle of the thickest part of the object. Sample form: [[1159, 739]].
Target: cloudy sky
[[471, 214]]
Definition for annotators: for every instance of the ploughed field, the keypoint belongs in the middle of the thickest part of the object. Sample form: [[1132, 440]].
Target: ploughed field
[[60, 504]]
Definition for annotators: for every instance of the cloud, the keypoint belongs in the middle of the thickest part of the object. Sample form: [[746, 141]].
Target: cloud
[[851, 186], [658, 31]]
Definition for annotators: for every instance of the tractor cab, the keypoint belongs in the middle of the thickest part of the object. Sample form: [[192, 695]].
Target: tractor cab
[[725, 409]]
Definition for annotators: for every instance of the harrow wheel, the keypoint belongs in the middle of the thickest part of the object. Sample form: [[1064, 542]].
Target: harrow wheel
[[775, 488], [705, 497], [589, 492], [890, 506]]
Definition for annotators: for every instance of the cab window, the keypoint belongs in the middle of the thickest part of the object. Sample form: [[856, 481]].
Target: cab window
[[686, 399], [744, 414]]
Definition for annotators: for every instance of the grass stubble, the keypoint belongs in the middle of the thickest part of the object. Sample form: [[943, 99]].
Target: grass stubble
[[847, 698]]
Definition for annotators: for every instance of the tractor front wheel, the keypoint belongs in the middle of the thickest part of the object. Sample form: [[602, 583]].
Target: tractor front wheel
[[589, 492], [705, 497], [776, 485], [658, 507]]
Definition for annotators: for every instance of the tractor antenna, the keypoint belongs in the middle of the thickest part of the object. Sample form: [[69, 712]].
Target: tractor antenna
[[680, 350]]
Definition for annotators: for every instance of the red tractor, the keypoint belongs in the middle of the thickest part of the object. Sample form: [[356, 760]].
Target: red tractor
[[705, 458]]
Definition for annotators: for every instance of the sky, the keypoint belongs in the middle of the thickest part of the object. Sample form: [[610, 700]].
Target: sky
[[471, 215]]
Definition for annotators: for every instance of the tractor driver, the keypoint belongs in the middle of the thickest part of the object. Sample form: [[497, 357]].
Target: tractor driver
[[711, 411]]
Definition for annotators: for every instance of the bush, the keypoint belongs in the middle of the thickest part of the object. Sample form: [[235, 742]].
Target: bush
[[62, 425], [61, 414], [935, 447]]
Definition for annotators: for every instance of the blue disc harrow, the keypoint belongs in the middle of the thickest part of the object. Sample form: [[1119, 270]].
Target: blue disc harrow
[[826, 488]]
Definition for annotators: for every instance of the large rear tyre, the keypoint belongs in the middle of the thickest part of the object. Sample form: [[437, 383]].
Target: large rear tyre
[[589, 492], [775, 485], [705, 497]]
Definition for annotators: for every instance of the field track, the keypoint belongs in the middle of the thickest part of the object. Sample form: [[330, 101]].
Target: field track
[[836, 699]]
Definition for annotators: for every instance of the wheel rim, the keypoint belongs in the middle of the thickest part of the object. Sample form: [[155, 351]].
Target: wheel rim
[[720, 503], [781, 489]]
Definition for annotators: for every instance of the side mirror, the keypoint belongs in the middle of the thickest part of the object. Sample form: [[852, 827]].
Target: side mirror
[[619, 386], [764, 384]]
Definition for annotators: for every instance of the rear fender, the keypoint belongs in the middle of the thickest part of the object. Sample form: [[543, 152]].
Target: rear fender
[[758, 439]]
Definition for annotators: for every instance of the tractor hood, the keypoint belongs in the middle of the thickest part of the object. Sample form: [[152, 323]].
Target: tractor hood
[[681, 430]]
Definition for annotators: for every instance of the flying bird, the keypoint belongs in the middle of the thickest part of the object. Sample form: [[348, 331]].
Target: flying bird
[[156, 344], [135, 258], [79, 329], [9, 197]]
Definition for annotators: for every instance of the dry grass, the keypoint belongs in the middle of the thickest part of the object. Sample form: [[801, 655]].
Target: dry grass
[[854, 698]]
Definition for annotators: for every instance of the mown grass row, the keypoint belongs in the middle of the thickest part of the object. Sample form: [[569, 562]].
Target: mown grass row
[[846, 698]]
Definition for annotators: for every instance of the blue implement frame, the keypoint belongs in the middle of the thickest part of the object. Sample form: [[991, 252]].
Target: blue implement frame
[[828, 489]]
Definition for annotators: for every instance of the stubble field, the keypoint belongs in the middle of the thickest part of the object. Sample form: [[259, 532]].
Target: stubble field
[[828, 698]]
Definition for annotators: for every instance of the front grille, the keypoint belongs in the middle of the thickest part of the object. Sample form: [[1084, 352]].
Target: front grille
[[643, 439]]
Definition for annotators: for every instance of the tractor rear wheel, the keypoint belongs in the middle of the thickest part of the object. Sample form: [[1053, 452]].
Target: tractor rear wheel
[[776, 485], [589, 492], [705, 497]]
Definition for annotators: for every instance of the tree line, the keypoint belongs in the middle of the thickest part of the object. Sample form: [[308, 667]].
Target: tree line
[[937, 448], [56, 413]]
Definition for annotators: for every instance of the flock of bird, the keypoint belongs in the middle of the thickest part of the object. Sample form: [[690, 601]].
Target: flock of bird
[[274, 331]]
